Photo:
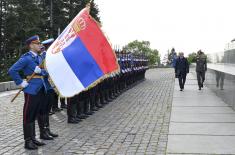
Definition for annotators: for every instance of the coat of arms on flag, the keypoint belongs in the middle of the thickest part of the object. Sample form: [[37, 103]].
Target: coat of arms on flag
[[80, 56]]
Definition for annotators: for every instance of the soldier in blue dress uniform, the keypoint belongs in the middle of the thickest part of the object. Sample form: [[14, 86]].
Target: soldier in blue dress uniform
[[34, 89], [51, 97]]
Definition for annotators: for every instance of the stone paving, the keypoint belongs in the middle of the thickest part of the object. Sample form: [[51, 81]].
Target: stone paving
[[136, 122], [201, 123]]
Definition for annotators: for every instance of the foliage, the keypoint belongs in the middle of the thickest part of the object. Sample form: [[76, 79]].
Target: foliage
[[192, 57], [170, 57], [143, 47]]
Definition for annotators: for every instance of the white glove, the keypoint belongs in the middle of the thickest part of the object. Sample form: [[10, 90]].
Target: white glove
[[24, 84], [37, 70]]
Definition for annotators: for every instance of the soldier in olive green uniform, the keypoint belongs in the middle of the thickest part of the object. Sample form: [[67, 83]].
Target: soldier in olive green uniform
[[201, 67]]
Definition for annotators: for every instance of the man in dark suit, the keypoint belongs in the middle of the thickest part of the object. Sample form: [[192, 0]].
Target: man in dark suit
[[181, 69]]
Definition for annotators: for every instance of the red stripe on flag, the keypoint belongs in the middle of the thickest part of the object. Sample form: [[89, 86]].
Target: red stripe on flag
[[98, 46]]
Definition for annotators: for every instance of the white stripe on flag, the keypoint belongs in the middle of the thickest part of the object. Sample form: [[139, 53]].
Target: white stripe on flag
[[63, 77]]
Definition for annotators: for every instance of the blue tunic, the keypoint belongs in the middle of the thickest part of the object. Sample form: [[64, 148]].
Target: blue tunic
[[27, 64]]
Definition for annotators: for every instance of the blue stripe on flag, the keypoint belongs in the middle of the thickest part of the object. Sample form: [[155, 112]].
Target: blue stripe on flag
[[82, 63]]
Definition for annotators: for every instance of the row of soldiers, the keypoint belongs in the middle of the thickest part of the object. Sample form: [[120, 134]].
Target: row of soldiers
[[132, 71], [40, 96]]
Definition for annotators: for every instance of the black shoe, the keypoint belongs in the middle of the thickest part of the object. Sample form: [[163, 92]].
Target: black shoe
[[30, 145], [63, 106], [51, 133], [98, 105], [199, 88], [51, 112], [89, 113], [112, 97], [45, 135], [78, 119], [73, 121], [104, 102], [57, 109], [181, 89], [109, 100], [82, 116], [94, 108], [38, 143], [202, 85]]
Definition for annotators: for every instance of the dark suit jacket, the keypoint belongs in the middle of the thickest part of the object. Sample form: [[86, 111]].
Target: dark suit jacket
[[201, 64], [182, 66]]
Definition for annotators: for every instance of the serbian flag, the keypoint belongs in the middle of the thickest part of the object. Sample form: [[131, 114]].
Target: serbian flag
[[80, 56]]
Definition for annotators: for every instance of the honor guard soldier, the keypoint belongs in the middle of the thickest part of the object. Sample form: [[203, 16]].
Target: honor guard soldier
[[72, 110], [51, 98], [34, 90], [53, 105]]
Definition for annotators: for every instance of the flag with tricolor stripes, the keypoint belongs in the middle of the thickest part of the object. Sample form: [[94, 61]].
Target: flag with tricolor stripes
[[80, 56]]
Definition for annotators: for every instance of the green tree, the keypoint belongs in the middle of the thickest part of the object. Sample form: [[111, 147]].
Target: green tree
[[143, 47], [95, 11], [192, 57], [59, 13]]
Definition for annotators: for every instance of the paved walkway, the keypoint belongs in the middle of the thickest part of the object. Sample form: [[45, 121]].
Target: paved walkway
[[136, 122], [201, 123]]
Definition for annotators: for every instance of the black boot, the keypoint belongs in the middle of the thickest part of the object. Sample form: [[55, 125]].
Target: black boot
[[110, 94], [30, 145], [27, 137], [93, 104], [118, 89], [82, 116], [55, 106], [51, 112], [62, 104], [48, 127], [33, 137], [42, 128], [115, 91], [87, 107], [56, 109], [72, 110], [80, 110], [97, 102], [107, 98], [73, 120], [102, 99]]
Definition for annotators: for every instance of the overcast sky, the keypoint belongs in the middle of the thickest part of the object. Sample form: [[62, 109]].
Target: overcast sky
[[186, 25]]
